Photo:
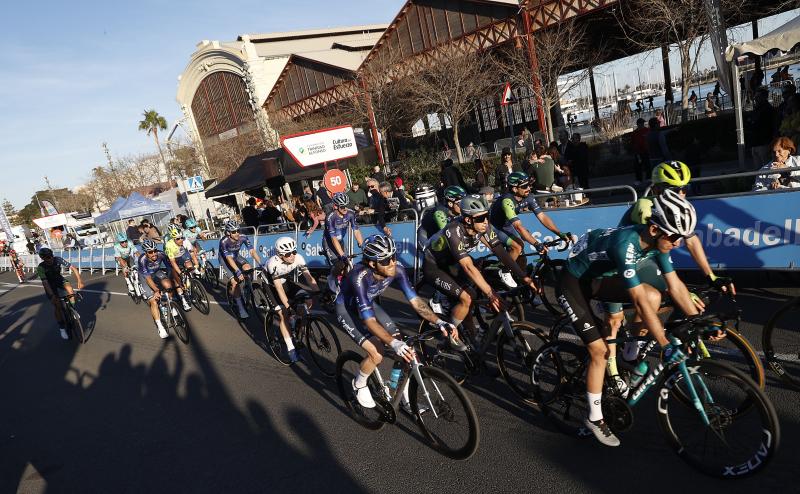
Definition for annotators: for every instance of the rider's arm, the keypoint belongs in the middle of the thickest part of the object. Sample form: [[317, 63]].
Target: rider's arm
[[548, 223], [424, 311], [680, 294], [47, 290], [524, 233], [493, 243], [698, 253], [310, 280], [355, 229], [77, 276], [475, 275]]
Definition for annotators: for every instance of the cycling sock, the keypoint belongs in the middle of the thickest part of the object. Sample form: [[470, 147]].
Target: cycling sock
[[361, 379], [289, 344], [611, 366], [159, 325], [595, 410]]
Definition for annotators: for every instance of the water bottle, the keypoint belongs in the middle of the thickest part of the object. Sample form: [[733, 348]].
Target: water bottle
[[394, 377], [639, 372]]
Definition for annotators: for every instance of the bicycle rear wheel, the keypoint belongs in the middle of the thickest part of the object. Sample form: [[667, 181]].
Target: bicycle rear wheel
[[781, 342], [75, 326], [445, 414], [178, 322], [434, 351], [515, 357], [559, 382], [732, 445], [322, 344], [347, 367], [274, 339], [211, 277], [200, 298]]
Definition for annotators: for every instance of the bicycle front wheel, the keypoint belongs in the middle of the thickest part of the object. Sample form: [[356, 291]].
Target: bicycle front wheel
[[260, 301], [781, 342], [730, 445], [445, 414], [347, 367], [178, 322], [322, 344], [200, 298], [211, 277], [76, 328], [559, 383], [515, 357], [275, 339]]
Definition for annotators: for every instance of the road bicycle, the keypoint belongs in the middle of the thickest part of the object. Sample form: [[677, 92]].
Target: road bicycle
[[72, 319], [546, 272], [210, 275], [194, 291], [781, 342], [133, 278], [438, 405], [172, 317], [254, 294], [309, 331], [714, 416]]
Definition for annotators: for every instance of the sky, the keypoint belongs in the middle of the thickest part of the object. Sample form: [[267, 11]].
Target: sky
[[76, 74]]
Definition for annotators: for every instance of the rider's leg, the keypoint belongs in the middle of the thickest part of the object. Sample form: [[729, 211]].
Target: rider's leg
[[374, 349]]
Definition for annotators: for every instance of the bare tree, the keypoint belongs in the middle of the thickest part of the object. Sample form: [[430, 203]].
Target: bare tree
[[226, 156], [454, 86], [563, 55]]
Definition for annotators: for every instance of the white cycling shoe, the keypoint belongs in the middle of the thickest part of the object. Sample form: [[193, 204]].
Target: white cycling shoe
[[363, 396], [162, 333], [506, 277], [186, 305]]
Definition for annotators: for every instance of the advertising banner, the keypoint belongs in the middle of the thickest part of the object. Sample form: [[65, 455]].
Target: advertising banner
[[321, 146]]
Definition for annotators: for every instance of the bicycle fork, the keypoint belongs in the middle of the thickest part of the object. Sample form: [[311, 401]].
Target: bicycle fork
[[415, 365]]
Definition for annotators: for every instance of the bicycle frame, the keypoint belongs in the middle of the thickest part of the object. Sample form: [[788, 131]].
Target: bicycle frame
[[414, 365]]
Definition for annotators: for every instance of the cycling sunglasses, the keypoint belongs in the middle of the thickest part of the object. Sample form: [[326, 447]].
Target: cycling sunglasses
[[150, 251], [679, 189], [480, 218], [289, 253], [388, 260], [526, 185]]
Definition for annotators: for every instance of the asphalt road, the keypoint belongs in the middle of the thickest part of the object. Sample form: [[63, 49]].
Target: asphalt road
[[128, 412]]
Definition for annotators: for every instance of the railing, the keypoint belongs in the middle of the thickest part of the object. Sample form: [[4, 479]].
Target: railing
[[610, 188]]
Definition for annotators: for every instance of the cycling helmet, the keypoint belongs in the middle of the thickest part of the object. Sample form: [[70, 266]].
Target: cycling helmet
[[472, 205], [121, 237], [518, 179], [673, 173], [148, 245], [174, 232], [341, 199], [424, 196], [190, 223], [44, 253], [379, 247], [454, 193], [285, 245], [673, 214], [231, 226]]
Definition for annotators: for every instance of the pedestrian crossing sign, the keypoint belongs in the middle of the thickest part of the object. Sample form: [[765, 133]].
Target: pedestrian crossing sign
[[194, 184]]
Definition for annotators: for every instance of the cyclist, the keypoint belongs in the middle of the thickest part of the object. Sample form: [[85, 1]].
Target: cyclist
[[337, 224], [191, 233], [283, 270], [230, 246], [448, 267], [366, 322], [435, 218], [55, 286], [124, 252], [155, 270], [603, 265], [504, 217], [179, 256]]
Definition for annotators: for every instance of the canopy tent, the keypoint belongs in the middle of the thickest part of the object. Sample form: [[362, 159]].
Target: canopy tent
[[109, 215], [783, 38], [135, 205]]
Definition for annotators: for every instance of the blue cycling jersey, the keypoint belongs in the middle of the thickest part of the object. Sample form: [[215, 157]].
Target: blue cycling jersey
[[360, 287], [336, 226], [230, 247], [148, 267]]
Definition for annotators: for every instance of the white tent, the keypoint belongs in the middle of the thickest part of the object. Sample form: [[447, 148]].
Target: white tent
[[783, 38]]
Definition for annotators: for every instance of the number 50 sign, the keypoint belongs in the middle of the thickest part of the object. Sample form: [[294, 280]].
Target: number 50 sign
[[335, 181]]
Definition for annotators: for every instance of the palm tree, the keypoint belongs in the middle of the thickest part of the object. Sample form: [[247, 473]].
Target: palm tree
[[152, 123]]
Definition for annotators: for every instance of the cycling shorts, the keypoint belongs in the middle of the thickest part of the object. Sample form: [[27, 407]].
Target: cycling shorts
[[574, 296], [183, 259], [444, 281], [507, 238], [238, 259], [356, 328], [129, 261], [158, 277]]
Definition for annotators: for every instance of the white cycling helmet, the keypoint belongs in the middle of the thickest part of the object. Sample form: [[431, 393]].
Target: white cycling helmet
[[379, 247], [285, 245], [673, 214]]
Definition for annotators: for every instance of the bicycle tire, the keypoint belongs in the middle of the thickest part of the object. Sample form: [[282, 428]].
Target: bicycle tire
[[323, 345], [486, 318], [274, 338], [548, 276], [435, 381], [200, 298], [233, 307], [558, 377], [75, 325], [259, 302], [434, 352], [347, 366], [137, 299], [515, 360], [211, 277], [178, 322], [786, 364], [719, 462]]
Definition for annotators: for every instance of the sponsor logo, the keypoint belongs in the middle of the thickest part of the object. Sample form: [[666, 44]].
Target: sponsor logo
[[342, 143], [629, 273]]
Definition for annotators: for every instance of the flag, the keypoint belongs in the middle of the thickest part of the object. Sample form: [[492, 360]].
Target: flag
[[6, 226], [49, 209], [719, 43]]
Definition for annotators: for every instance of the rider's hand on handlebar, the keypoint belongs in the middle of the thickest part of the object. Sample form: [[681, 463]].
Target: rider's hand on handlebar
[[540, 248], [402, 350], [532, 284], [698, 302], [722, 283], [566, 237], [80, 285], [495, 302]]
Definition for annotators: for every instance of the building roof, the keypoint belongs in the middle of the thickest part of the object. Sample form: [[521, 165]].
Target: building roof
[[282, 46], [312, 33]]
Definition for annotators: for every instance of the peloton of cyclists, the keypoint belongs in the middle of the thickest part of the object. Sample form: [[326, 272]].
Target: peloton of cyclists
[[230, 246], [55, 285]]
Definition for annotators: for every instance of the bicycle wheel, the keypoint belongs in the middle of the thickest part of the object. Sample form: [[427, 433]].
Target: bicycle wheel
[[731, 445], [559, 382], [435, 351], [259, 301], [548, 277], [211, 277], [515, 357], [75, 325], [564, 331], [347, 367], [781, 342], [233, 308], [274, 339], [322, 344], [137, 298], [448, 419], [178, 322], [200, 298]]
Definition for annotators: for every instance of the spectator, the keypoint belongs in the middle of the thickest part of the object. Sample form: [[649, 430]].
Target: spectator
[[250, 213], [271, 215], [711, 107], [377, 174], [757, 79], [716, 93], [150, 232], [787, 92], [641, 154], [657, 142], [481, 174], [358, 198], [790, 125], [762, 127], [693, 99], [315, 215], [505, 167], [662, 122], [132, 232], [578, 158], [379, 202], [543, 170], [650, 102], [488, 195], [563, 143], [324, 200], [783, 153], [451, 175]]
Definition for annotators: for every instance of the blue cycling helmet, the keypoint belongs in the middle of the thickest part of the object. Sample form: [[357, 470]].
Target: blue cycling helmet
[[121, 237], [191, 223], [378, 247], [341, 199]]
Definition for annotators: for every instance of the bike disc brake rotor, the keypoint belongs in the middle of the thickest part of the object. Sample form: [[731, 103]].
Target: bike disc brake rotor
[[388, 414], [617, 413]]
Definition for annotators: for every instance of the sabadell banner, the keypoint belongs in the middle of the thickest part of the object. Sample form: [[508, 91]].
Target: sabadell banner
[[320, 146]]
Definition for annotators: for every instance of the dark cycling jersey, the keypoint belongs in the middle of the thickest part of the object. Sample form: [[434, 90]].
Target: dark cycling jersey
[[452, 243], [615, 251], [52, 272], [336, 226], [505, 210], [360, 287], [434, 219], [230, 247], [148, 267]]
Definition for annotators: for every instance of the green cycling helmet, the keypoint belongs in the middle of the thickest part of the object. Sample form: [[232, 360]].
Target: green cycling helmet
[[518, 179], [454, 193]]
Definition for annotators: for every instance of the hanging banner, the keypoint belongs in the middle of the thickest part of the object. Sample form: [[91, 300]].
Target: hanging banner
[[6, 226], [719, 43], [321, 146]]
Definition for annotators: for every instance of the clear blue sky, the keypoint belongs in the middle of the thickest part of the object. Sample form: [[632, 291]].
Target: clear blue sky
[[76, 74]]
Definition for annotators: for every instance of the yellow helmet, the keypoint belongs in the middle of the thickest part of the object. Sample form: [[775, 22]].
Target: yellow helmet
[[674, 173]]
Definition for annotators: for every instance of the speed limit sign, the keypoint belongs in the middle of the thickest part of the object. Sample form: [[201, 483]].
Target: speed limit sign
[[335, 181]]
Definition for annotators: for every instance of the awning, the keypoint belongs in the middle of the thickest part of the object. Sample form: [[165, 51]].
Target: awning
[[783, 38], [135, 205]]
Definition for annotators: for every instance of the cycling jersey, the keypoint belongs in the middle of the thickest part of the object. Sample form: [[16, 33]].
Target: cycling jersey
[[175, 251], [615, 251], [360, 287], [148, 267], [452, 243], [52, 272], [505, 210], [279, 271], [336, 226], [124, 252], [433, 220], [191, 234], [230, 247]]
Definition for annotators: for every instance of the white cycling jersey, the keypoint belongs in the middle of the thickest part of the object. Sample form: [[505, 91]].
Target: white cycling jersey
[[279, 271]]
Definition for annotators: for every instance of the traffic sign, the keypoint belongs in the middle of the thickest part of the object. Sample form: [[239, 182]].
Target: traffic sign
[[194, 184], [508, 97], [335, 181]]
